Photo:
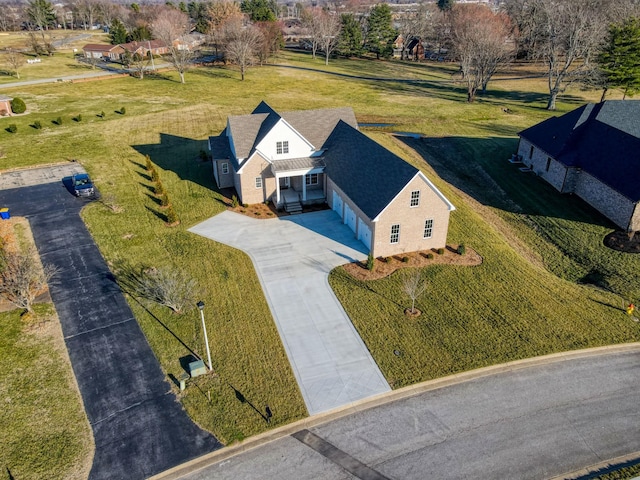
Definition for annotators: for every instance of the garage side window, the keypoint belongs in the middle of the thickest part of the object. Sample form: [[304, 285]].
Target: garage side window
[[395, 233], [258, 182], [415, 198], [225, 168], [428, 228]]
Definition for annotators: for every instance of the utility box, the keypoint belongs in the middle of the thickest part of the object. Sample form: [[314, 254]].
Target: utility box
[[4, 214], [183, 381], [197, 368]]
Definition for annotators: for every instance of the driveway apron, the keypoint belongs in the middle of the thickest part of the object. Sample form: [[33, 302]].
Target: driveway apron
[[138, 425], [293, 257]]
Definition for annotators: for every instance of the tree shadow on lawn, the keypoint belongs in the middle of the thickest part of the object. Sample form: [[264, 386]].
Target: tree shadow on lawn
[[182, 156], [479, 167]]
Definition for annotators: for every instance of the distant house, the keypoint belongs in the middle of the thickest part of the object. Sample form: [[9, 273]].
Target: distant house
[[317, 156], [593, 152], [5, 105], [190, 41], [156, 47], [103, 52]]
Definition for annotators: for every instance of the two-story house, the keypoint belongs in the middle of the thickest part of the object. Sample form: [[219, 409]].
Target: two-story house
[[317, 156]]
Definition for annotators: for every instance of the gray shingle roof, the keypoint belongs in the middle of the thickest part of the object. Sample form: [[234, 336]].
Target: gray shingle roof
[[365, 171], [219, 146], [602, 139], [244, 131]]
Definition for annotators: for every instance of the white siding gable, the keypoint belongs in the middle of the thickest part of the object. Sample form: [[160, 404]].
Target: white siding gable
[[298, 146]]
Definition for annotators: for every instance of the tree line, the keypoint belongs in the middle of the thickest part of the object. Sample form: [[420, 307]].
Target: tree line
[[594, 42]]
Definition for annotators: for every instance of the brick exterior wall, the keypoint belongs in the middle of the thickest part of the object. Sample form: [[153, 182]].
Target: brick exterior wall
[[613, 205], [412, 221], [256, 166], [616, 207]]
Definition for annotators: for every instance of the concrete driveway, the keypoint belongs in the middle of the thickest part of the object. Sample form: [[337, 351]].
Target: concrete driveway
[[138, 425], [293, 257]]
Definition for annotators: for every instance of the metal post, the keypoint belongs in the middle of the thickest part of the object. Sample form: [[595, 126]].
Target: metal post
[[204, 328]]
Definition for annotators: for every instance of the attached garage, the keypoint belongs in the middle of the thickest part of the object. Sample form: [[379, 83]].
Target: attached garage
[[349, 218], [364, 233], [337, 203]]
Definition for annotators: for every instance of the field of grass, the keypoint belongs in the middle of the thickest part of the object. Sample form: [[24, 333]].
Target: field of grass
[[45, 432], [509, 307]]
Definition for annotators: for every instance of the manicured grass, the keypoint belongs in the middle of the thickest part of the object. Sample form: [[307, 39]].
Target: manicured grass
[[509, 307]]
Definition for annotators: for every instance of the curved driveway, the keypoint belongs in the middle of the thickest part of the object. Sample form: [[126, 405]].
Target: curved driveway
[[293, 257], [536, 420], [138, 425]]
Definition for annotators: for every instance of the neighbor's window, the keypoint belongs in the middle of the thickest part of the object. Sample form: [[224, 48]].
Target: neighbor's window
[[282, 147], [395, 233], [225, 168], [428, 228], [258, 182], [311, 179], [546, 169], [415, 198]]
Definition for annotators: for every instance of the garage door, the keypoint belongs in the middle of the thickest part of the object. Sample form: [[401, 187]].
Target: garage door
[[337, 203], [350, 218], [364, 233]]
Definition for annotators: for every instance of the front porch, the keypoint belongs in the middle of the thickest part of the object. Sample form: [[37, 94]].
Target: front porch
[[298, 182]]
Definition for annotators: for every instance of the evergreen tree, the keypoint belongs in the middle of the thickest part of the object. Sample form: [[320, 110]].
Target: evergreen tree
[[620, 57], [260, 10], [41, 14], [445, 5], [350, 43], [117, 32], [380, 31]]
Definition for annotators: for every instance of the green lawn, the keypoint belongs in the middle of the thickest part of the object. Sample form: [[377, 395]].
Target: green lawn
[[509, 307]]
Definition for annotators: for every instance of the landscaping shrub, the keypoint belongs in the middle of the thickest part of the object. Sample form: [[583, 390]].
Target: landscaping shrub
[[164, 200], [147, 163], [172, 216], [58, 121], [430, 256], [37, 125], [102, 115], [370, 263], [78, 118], [461, 249], [405, 259], [234, 201], [440, 251], [122, 111], [18, 105], [158, 189], [155, 176], [3, 113], [245, 205], [12, 128], [388, 259]]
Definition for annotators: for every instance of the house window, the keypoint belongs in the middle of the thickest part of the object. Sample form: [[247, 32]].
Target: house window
[[225, 168], [282, 147], [311, 179], [258, 182], [395, 233], [531, 153], [415, 198], [546, 169], [428, 228]]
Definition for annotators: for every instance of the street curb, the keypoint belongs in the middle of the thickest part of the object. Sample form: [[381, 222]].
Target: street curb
[[598, 466], [382, 399]]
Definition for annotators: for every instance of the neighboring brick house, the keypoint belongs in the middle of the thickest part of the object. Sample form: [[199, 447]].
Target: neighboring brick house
[[5, 105], [156, 47], [103, 52], [593, 152], [318, 156]]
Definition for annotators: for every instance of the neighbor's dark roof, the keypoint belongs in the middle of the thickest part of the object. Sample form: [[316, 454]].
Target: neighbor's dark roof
[[601, 139], [365, 171], [314, 125]]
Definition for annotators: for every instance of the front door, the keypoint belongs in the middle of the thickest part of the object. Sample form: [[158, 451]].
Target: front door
[[284, 182]]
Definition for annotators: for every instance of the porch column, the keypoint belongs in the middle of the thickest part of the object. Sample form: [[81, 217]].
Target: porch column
[[277, 190], [304, 188]]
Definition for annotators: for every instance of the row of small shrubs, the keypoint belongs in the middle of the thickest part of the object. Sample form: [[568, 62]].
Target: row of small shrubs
[[171, 217]]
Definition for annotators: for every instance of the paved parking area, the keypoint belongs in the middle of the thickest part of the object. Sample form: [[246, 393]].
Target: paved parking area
[[293, 257], [138, 425]]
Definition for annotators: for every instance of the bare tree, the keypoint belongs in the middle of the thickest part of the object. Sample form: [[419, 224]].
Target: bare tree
[[137, 62], [272, 39], [416, 23], [219, 13], [241, 44], [171, 27], [22, 278], [413, 286], [480, 42], [170, 288], [86, 12], [309, 22], [14, 59], [328, 27]]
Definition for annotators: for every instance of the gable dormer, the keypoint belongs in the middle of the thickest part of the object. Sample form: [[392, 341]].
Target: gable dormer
[[282, 142]]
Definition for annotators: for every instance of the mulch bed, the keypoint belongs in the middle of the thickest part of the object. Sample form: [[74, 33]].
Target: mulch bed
[[623, 242], [383, 268], [262, 211]]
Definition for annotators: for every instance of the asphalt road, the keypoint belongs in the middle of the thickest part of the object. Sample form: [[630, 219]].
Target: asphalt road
[[536, 422], [139, 427]]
